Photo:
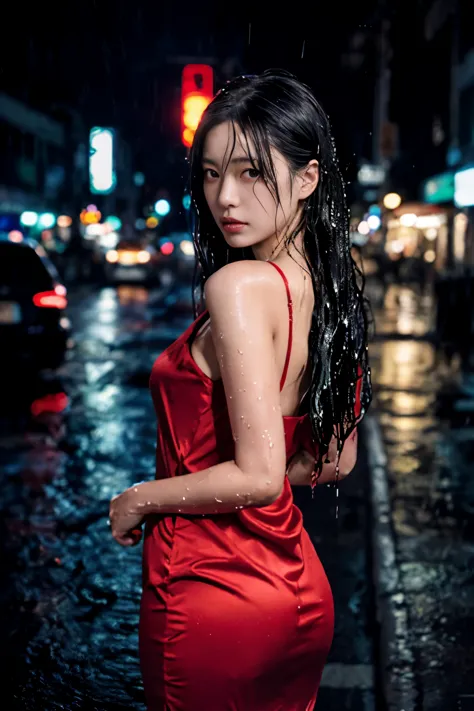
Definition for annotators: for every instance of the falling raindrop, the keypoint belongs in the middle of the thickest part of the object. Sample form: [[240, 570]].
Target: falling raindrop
[[302, 49]]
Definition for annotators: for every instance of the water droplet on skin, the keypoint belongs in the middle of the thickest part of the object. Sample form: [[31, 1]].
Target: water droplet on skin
[[242, 417], [221, 335], [248, 426], [239, 351], [184, 498], [259, 397], [135, 489], [270, 444], [219, 501], [187, 488]]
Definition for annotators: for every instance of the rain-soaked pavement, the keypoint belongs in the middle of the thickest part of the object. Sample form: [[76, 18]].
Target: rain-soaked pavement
[[426, 411], [72, 440]]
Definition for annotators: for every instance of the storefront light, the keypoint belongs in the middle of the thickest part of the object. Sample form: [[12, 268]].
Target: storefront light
[[464, 188], [423, 222], [408, 220]]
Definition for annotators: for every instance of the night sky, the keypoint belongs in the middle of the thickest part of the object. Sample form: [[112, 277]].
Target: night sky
[[119, 63]]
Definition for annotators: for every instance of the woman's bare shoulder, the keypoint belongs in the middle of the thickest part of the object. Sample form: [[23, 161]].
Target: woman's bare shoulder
[[252, 277]]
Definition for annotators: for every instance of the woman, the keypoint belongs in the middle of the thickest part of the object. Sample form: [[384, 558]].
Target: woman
[[236, 611]]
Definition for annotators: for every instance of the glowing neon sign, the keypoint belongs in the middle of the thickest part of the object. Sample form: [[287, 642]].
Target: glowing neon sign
[[102, 177]]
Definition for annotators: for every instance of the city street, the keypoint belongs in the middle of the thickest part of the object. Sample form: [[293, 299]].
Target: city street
[[70, 610], [75, 438], [139, 142], [425, 408]]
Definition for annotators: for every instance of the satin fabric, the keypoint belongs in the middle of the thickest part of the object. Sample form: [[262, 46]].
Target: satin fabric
[[236, 612]]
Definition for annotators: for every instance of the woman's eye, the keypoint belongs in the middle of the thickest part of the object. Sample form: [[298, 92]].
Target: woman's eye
[[210, 173], [253, 173]]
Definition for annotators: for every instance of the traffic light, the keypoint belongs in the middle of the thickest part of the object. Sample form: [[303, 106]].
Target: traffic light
[[196, 93]]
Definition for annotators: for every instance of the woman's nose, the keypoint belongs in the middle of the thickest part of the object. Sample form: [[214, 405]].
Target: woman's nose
[[228, 195]]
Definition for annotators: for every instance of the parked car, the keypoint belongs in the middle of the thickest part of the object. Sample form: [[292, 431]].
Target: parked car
[[34, 328], [178, 255], [132, 262]]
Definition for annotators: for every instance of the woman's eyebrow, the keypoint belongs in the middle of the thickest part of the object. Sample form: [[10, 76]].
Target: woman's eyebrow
[[243, 159]]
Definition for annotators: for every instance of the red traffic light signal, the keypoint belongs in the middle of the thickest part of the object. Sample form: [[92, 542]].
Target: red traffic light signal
[[196, 93]]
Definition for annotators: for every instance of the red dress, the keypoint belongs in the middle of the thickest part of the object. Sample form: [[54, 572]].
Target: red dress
[[236, 613]]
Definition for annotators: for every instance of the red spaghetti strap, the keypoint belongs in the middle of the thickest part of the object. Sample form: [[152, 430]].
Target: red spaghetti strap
[[290, 326]]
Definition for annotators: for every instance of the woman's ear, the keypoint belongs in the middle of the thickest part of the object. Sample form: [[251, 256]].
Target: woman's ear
[[309, 179]]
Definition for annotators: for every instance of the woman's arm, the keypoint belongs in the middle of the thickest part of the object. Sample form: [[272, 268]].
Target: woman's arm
[[243, 299], [302, 464]]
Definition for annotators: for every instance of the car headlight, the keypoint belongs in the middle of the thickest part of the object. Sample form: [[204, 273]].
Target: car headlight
[[187, 247], [143, 256]]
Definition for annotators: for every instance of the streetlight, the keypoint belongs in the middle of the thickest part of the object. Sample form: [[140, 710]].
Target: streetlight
[[162, 207], [392, 200]]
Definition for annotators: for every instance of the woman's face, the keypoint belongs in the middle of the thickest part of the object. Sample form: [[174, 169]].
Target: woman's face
[[242, 206]]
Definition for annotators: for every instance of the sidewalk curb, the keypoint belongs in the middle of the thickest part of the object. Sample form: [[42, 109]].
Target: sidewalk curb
[[396, 663]]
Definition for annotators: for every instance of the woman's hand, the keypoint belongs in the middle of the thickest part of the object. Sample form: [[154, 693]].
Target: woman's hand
[[126, 518]]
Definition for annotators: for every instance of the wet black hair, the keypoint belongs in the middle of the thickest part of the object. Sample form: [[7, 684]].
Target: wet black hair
[[276, 110]]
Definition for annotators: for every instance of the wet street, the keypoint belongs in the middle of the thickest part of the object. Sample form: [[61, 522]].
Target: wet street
[[72, 439], [425, 407]]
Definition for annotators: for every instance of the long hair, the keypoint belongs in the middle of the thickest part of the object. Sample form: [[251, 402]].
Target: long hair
[[275, 110]]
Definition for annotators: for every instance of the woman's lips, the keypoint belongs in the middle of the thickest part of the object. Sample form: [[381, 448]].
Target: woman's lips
[[233, 226]]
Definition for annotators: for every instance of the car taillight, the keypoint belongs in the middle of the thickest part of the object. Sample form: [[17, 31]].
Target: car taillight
[[54, 299], [167, 248], [55, 402]]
